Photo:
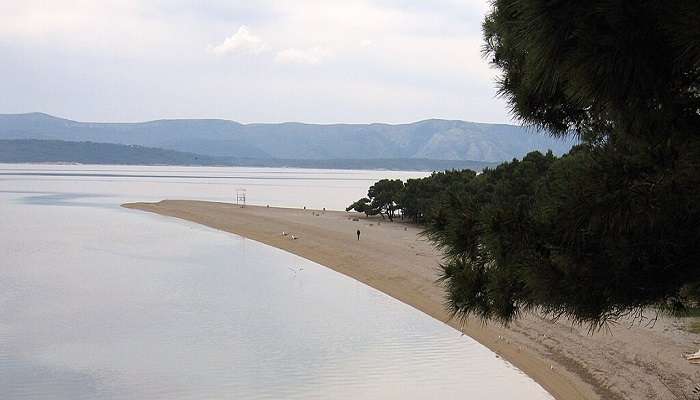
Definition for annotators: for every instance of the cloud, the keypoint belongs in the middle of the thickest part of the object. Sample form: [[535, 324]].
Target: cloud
[[312, 55], [240, 42], [411, 59]]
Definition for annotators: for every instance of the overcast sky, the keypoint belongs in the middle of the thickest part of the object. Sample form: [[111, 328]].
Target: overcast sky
[[319, 61]]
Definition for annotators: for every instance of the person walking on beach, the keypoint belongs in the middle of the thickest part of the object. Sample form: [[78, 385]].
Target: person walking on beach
[[358, 234]]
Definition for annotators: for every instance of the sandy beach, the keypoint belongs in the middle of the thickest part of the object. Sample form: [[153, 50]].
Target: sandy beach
[[627, 361]]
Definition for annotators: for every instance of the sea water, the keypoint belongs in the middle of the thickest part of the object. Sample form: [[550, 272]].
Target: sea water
[[102, 302]]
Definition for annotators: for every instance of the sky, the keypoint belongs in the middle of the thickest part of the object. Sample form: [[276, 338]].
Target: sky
[[324, 61]]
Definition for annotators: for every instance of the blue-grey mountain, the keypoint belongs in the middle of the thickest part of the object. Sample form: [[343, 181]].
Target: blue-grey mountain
[[59, 151], [429, 139]]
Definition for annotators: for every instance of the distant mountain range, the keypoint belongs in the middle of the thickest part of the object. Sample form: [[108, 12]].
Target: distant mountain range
[[209, 141], [59, 151]]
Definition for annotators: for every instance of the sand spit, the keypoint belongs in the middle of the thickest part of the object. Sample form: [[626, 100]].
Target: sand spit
[[638, 362]]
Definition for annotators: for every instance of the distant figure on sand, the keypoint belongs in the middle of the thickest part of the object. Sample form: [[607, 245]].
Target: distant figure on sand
[[358, 234]]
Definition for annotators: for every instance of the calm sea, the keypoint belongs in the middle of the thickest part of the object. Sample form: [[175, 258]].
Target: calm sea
[[100, 302]]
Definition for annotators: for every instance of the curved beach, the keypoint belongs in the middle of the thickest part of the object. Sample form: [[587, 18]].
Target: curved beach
[[637, 362]]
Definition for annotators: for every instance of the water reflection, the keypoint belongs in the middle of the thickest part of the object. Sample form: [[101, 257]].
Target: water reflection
[[65, 199], [100, 302]]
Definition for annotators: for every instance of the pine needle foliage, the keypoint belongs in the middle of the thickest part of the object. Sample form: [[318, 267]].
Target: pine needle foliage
[[613, 227]]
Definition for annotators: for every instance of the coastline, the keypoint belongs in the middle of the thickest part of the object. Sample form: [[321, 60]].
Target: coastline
[[392, 257]]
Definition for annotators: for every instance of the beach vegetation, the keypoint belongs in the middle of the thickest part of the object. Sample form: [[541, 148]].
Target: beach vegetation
[[609, 229], [382, 199], [363, 206]]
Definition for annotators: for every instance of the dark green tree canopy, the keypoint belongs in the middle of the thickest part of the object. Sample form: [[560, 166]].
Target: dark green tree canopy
[[382, 198], [611, 228], [592, 66], [363, 206]]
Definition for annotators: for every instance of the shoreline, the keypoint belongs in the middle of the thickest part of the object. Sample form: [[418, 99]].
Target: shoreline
[[393, 258]]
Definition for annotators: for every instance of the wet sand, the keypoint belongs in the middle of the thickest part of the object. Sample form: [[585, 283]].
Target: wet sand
[[624, 362]]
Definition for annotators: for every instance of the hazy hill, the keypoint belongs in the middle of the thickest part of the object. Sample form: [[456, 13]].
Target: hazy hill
[[33, 150], [429, 139], [58, 151]]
